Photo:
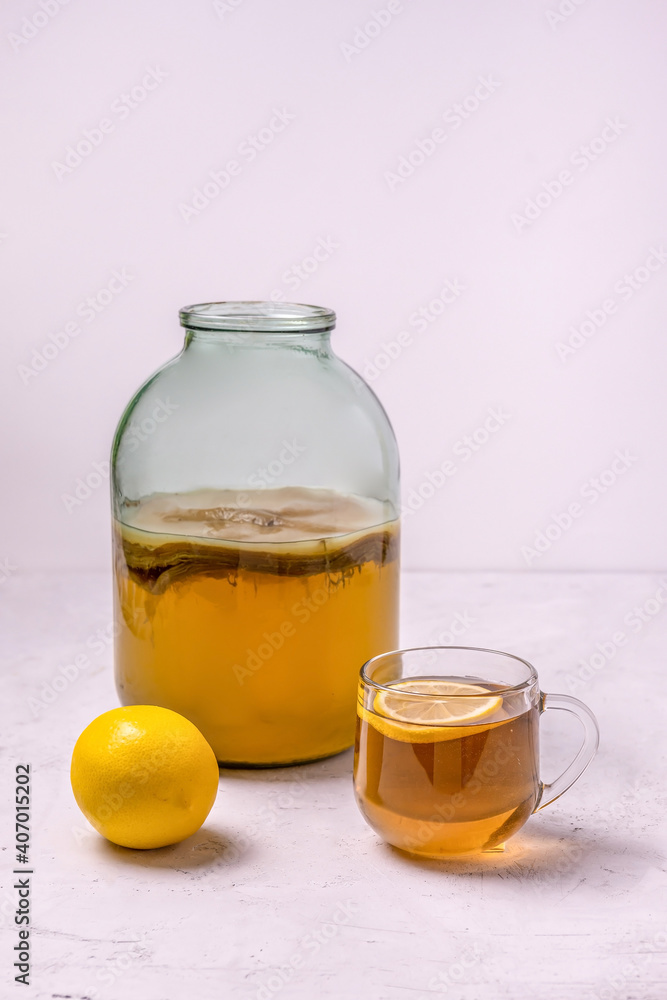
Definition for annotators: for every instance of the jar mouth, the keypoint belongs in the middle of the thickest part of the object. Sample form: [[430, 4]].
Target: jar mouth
[[259, 317]]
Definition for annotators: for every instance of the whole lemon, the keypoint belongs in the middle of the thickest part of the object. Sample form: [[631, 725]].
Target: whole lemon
[[144, 776]]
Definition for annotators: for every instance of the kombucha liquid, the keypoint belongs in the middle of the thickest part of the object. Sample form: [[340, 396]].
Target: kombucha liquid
[[465, 790], [251, 614]]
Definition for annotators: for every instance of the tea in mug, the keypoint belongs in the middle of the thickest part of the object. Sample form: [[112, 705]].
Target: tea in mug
[[250, 613], [444, 775]]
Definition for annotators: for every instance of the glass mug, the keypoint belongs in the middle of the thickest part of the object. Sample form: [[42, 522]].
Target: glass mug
[[447, 748]]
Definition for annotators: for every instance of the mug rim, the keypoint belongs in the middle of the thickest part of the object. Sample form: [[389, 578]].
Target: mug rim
[[529, 682]]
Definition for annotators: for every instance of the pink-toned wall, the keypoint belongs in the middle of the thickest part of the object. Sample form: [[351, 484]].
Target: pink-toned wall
[[485, 182]]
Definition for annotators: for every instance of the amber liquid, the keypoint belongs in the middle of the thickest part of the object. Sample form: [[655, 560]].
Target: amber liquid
[[463, 794], [257, 639]]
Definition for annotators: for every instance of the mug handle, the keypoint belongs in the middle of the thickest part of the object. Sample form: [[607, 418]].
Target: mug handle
[[548, 793]]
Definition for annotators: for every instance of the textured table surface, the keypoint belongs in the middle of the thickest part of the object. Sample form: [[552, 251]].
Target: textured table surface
[[285, 892]]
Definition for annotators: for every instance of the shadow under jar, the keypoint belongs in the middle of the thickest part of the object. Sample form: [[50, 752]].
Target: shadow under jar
[[255, 500]]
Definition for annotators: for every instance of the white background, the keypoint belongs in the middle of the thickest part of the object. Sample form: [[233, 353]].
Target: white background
[[360, 103]]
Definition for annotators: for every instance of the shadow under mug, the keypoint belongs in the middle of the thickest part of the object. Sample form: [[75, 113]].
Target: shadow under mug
[[446, 756]]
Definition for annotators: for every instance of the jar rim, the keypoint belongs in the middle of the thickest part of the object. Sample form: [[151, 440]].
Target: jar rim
[[258, 317]]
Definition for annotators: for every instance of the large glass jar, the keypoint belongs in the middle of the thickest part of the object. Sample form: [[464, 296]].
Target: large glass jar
[[255, 504]]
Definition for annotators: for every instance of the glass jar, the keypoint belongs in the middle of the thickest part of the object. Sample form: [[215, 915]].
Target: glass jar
[[256, 535]]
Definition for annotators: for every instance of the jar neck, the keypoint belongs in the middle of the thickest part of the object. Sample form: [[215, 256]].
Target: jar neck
[[311, 341]]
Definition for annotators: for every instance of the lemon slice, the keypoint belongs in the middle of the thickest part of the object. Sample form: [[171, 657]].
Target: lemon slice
[[445, 707], [447, 714]]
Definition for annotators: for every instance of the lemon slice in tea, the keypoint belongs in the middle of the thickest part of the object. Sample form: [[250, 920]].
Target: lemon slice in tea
[[447, 714]]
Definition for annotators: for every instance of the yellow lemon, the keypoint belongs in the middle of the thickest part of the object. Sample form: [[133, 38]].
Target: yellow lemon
[[144, 776], [446, 714]]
